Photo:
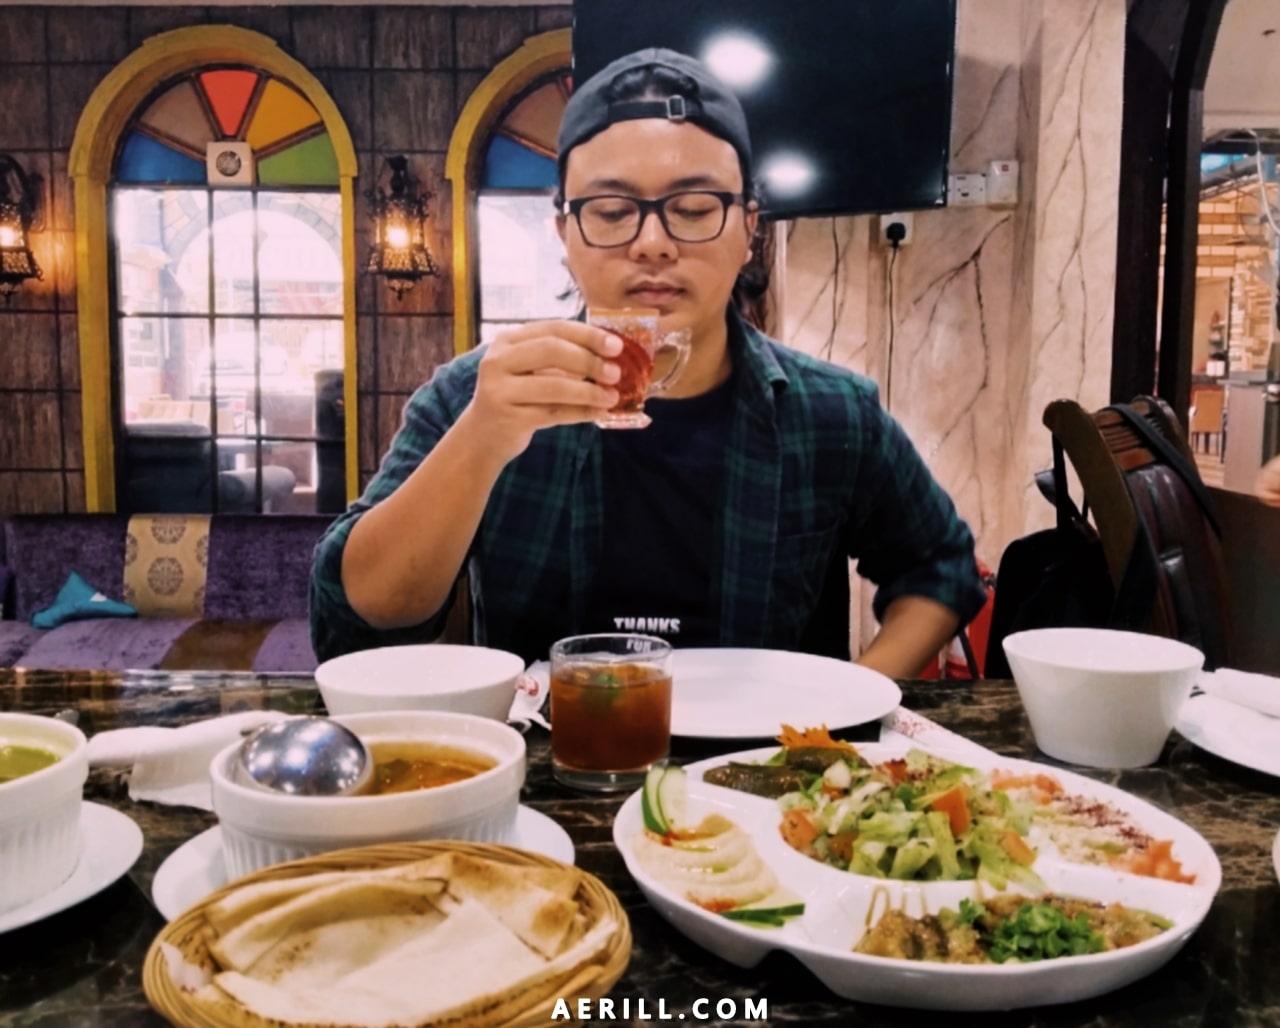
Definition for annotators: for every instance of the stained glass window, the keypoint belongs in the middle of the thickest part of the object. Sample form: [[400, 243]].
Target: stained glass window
[[522, 272], [168, 142], [228, 300]]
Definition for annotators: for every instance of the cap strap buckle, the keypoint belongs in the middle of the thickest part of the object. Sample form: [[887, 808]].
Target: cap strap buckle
[[676, 108]]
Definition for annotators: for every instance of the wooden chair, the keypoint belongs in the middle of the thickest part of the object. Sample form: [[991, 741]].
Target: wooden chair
[[1129, 485], [1208, 406]]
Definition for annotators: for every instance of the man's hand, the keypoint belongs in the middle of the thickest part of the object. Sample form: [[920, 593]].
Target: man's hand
[[1267, 485], [537, 375]]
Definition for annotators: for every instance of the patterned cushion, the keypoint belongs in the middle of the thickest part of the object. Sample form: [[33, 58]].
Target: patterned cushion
[[166, 564]]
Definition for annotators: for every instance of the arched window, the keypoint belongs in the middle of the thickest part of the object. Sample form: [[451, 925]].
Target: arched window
[[227, 253], [508, 263], [520, 259], [214, 198]]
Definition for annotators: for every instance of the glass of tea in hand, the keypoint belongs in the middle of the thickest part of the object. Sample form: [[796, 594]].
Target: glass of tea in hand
[[645, 350], [610, 709]]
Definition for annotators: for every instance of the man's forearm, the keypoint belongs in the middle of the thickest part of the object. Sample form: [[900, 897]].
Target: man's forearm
[[403, 555], [912, 632]]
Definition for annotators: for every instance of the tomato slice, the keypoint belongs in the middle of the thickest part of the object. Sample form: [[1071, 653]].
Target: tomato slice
[[955, 804], [1019, 852]]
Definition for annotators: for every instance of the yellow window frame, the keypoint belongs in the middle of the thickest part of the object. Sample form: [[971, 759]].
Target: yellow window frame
[[537, 55], [104, 119]]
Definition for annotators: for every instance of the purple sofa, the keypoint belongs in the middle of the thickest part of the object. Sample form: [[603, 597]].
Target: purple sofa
[[254, 608]]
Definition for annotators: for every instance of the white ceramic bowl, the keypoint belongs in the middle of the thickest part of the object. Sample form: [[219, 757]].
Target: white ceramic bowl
[[40, 812], [1099, 697], [435, 676], [261, 828]]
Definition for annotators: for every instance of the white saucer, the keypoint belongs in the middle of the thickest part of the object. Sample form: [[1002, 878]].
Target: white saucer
[[110, 843], [195, 868]]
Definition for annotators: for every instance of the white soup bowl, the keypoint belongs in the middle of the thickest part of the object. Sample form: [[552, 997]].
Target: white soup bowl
[[433, 676], [260, 827], [1099, 697], [40, 812]]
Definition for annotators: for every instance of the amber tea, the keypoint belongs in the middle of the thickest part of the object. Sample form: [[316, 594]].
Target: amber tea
[[642, 343], [610, 710]]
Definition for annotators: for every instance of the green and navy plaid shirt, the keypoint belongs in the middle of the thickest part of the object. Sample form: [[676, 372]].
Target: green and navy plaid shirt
[[815, 470]]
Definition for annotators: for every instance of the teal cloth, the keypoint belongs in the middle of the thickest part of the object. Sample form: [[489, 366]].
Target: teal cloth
[[78, 600]]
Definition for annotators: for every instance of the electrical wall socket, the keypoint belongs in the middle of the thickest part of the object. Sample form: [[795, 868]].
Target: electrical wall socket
[[1002, 183], [966, 190], [886, 220]]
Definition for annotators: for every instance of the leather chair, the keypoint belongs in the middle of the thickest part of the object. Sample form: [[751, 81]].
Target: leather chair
[[169, 471], [1129, 485]]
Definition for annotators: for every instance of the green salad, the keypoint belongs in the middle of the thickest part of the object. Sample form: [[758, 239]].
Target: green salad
[[921, 818]]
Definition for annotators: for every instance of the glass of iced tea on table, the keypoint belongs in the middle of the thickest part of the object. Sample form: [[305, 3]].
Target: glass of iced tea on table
[[651, 360], [610, 709]]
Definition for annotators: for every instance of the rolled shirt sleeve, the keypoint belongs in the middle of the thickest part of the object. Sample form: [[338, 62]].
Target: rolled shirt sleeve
[[336, 627], [916, 542]]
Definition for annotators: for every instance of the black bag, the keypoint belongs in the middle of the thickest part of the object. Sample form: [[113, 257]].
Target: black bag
[[1058, 578]]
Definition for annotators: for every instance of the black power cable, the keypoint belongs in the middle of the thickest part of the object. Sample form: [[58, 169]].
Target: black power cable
[[896, 232]]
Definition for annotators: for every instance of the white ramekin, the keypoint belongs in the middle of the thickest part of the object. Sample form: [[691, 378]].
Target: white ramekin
[[261, 828], [40, 812]]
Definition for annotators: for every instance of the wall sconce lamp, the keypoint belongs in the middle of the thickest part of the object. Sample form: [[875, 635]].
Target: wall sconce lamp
[[20, 207], [399, 252]]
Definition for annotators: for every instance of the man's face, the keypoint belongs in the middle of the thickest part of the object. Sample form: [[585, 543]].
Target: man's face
[[689, 283]]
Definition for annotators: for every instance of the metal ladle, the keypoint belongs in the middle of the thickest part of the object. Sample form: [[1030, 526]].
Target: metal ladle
[[304, 756]]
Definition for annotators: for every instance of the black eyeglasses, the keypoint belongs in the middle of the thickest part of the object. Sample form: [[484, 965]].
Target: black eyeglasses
[[693, 216]]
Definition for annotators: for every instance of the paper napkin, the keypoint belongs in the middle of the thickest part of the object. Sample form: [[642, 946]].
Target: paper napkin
[[1257, 692], [532, 688], [171, 765], [902, 725]]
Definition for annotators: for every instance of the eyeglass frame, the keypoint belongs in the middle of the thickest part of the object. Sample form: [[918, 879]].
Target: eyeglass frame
[[655, 206]]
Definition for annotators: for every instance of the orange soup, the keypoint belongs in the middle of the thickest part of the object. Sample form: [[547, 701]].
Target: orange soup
[[406, 766]]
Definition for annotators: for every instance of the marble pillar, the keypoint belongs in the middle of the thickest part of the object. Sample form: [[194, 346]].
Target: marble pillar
[[992, 312]]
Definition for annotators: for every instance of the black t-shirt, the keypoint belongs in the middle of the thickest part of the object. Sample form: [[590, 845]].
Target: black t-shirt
[[662, 505]]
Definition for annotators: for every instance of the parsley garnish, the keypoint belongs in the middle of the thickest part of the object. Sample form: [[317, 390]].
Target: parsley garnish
[[1041, 932]]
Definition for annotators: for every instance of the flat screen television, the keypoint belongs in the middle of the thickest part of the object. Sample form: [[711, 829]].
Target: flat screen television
[[849, 101]]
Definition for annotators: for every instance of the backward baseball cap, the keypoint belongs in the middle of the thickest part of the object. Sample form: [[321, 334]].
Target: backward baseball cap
[[712, 107]]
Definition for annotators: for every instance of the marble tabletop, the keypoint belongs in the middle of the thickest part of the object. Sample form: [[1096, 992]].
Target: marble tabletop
[[82, 967]]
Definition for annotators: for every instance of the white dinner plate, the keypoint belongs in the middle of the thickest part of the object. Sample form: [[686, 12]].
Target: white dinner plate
[[195, 868], [839, 905], [110, 844], [1235, 733], [749, 694]]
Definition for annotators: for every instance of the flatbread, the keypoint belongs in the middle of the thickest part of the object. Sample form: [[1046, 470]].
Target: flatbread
[[452, 941], [425, 977], [542, 917], [342, 903]]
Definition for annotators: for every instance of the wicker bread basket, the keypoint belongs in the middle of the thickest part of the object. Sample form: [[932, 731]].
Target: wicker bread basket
[[189, 934]]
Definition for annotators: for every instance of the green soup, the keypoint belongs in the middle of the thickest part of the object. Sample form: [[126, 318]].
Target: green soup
[[16, 761]]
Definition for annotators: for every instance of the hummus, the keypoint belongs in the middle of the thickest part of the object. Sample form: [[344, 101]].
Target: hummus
[[715, 865]]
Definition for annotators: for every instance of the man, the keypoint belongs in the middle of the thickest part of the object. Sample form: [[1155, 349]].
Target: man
[[728, 521]]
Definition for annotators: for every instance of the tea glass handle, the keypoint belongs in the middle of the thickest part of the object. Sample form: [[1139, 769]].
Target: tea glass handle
[[678, 341]]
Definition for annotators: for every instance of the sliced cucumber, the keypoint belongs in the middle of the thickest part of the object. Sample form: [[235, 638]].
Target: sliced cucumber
[[650, 808], [673, 790], [772, 916], [662, 799]]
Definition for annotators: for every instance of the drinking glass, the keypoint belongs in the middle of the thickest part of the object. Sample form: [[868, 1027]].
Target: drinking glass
[[610, 709], [643, 344]]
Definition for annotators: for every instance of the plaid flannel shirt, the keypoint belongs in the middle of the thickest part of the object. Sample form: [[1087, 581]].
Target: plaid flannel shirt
[[814, 465]]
